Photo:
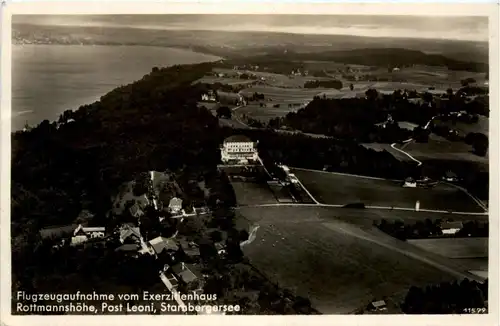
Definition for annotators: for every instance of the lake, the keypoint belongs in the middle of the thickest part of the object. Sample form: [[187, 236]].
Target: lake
[[49, 79]]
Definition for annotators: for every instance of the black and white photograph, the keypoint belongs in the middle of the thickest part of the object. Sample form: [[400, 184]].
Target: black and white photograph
[[250, 163]]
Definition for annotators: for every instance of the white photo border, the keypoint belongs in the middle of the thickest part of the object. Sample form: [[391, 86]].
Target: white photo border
[[490, 10]]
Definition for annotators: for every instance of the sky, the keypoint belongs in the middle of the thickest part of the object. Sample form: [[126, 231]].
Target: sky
[[429, 27]]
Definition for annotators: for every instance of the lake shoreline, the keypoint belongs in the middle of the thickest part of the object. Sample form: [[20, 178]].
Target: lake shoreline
[[49, 79]]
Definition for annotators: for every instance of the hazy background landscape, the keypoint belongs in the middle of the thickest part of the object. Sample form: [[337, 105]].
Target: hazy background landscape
[[49, 78]]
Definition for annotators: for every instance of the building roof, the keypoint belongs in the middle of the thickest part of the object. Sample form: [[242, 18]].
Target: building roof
[[378, 304], [57, 231], [128, 247], [452, 225], [238, 139], [175, 202], [160, 243], [182, 270], [128, 231], [94, 229], [136, 211]]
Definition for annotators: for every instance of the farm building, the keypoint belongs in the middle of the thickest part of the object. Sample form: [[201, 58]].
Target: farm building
[[451, 227], [410, 183], [238, 148]]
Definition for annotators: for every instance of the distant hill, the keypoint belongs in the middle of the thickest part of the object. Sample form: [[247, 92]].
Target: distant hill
[[230, 44], [385, 57]]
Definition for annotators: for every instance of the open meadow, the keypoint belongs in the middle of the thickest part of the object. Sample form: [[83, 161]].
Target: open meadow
[[342, 189], [276, 96], [439, 148], [455, 247], [472, 253], [340, 266]]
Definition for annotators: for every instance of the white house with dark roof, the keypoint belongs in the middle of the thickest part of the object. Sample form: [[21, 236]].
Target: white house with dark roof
[[83, 234], [410, 183], [175, 205], [238, 148]]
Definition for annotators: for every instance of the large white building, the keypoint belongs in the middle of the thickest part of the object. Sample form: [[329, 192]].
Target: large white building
[[238, 149]]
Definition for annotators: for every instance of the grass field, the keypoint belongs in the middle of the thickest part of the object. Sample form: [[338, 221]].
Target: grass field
[[332, 188], [387, 147], [282, 96], [439, 148], [455, 247], [340, 266], [249, 193]]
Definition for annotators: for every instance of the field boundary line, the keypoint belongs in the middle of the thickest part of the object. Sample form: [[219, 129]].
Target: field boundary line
[[483, 206], [386, 208], [346, 174], [414, 255], [476, 200], [308, 193]]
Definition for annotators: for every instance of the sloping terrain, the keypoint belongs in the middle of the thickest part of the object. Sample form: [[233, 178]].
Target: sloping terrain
[[340, 266]]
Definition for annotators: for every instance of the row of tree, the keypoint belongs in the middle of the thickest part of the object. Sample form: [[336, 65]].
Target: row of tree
[[336, 84], [465, 297], [430, 229]]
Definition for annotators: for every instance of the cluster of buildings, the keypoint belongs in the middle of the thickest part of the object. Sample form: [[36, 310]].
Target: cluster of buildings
[[425, 182]]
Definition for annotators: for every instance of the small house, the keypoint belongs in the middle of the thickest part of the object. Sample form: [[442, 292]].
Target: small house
[[450, 176], [451, 227], [175, 205], [160, 244], [379, 305], [185, 274], [190, 248], [410, 183]]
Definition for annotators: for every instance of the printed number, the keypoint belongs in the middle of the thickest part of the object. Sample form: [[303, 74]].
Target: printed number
[[475, 310]]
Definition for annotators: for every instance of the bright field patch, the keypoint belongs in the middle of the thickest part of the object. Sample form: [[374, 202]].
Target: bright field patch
[[339, 266], [455, 247], [342, 189]]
